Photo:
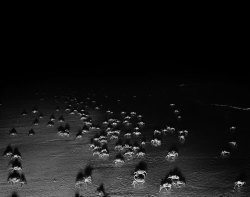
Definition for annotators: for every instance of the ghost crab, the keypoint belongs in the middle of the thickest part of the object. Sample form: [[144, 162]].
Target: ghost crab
[[176, 182], [239, 184], [156, 142], [83, 181], [15, 177], [119, 147], [172, 155], [225, 154], [140, 154], [136, 133], [14, 180], [181, 139], [103, 155], [139, 177], [129, 155], [118, 162], [166, 186]]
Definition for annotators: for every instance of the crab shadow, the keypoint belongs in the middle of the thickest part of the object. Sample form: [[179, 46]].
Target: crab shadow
[[84, 173], [120, 156], [173, 148], [78, 195], [8, 150], [176, 171], [14, 194], [101, 190], [142, 165], [242, 177]]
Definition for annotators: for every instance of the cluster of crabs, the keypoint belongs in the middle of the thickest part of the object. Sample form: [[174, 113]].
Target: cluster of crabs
[[119, 132], [174, 179], [231, 145], [15, 171]]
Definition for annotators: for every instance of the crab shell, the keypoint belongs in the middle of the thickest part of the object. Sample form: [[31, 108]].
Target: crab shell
[[128, 135], [111, 120], [139, 117], [165, 186], [88, 124], [225, 153], [96, 153], [132, 113], [234, 144], [170, 129], [156, 142], [181, 139], [118, 162], [164, 131], [66, 134], [141, 124], [91, 146], [114, 124], [103, 155], [110, 133], [232, 128], [139, 180], [127, 118], [96, 148], [119, 147], [85, 131], [79, 137], [140, 154], [85, 180], [16, 156], [9, 154], [157, 132], [88, 179], [127, 146], [140, 172], [129, 155], [105, 123], [172, 155], [136, 133], [14, 180], [174, 177], [117, 132], [239, 184], [135, 148], [178, 184], [113, 137], [103, 141], [16, 169]]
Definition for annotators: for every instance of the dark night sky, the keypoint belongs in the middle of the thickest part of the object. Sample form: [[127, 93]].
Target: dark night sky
[[38, 55], [60, 66], [37, 52], [43, 68], [28, 59]]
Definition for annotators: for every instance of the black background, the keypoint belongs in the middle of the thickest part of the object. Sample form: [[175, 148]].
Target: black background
[[38, 46], [32, 55], [38, 67]]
